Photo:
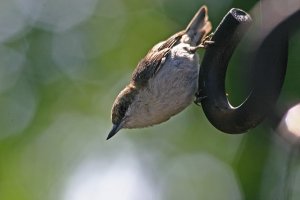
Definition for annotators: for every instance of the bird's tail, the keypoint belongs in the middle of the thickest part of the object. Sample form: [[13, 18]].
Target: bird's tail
[[198, 27]]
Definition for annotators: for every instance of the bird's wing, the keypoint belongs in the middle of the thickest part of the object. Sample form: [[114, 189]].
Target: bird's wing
[[152, 62]]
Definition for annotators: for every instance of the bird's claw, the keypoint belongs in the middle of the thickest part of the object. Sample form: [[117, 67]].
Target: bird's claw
[[204, 44], [207, 41], [199, 98]]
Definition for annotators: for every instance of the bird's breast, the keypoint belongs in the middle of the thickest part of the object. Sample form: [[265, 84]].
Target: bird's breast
[[170, 91]]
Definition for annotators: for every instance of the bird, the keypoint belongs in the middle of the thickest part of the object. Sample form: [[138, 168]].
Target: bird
[[165, 81]]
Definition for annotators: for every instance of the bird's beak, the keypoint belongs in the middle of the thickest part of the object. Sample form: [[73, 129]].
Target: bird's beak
[[114, 130]]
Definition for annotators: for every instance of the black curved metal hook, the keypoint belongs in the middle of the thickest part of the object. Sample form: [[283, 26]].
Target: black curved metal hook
[[270, 61]]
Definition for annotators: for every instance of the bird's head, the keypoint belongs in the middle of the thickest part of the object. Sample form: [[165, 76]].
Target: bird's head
[[120, 113]]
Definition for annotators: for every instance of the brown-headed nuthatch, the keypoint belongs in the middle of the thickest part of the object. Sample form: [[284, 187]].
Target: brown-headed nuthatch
[[165, 80]]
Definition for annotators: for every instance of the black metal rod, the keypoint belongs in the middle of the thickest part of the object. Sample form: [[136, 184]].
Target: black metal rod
[[269, 64]]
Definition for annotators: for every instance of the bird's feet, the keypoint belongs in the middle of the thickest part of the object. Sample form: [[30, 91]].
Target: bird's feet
[[204, 44], [199, 98], [207, 41]]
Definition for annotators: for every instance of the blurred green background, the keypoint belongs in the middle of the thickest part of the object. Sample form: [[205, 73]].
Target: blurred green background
[[62, 63]]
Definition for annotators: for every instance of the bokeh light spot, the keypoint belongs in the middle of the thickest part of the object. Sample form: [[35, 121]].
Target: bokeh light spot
[[57, 15], [292, 120], [17, 109], [12, 22], [120, 180], [200, 177], [11, 65]]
